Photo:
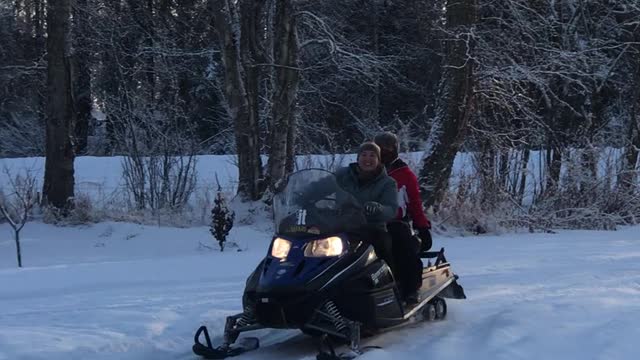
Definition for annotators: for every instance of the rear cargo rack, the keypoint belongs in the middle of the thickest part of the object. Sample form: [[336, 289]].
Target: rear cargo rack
[[438, 255]]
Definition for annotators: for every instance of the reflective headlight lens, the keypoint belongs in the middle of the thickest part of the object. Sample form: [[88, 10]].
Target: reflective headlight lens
[[280, 248], [331, 246]]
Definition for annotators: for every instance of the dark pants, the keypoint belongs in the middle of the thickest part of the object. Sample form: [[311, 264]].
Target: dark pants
[[381, 242], [405, 250]]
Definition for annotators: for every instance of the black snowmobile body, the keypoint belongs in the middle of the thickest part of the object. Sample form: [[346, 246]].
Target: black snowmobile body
[[362, 289], [321, 275]]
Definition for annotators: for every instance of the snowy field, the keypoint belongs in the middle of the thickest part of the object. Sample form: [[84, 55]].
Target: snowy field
[[127, 291], [124, 291]]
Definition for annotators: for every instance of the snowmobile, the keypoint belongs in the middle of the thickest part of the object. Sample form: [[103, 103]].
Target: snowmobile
[[321, 276]]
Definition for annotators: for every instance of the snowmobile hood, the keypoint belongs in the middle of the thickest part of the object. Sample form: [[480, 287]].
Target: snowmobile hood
[[297, 272]]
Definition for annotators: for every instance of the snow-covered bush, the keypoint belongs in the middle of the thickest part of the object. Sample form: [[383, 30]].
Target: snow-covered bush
[[222, 219], [83, 210], [491, 195]]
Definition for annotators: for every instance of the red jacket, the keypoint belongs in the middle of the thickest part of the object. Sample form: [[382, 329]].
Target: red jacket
[[408, 194]]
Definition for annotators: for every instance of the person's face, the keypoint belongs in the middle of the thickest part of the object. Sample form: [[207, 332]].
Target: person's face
[[368, 160], [387, 154]]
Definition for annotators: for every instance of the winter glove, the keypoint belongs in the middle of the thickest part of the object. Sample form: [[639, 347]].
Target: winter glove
[[372, 208], [425, 239]]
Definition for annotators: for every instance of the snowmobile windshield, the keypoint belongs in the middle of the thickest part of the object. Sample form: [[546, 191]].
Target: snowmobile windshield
[[313, 202]]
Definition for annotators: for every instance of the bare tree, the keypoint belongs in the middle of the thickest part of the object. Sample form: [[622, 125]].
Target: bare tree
[[239, 29], [58, 186], [456, 102], [259, 42], [16, 205], [159, 168], [82, 74], [628, 176], [281, 151]]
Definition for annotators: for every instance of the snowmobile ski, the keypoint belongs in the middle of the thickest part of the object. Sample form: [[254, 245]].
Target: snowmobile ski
[[325, 341], [221, 352]]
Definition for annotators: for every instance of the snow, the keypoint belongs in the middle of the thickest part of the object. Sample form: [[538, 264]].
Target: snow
[[116, 290], [104, 174], [125, 291]]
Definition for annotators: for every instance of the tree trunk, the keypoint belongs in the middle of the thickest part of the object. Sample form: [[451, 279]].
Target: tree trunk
[[150, 61], [17, 10], [18, 250], [589, 170], [589, 156], [143, 16], [59, 172], [486, 162], [523, 175], [455, 104], [40, 51], [83, 77], [251, 53], [165, 9], [291, 147], [547, 166], [628, 177], [503, 172], [241, 106], [28, 24], [284, 97], [39, 19], [629, 172], [555, 166], [375, 40], [114, 87]]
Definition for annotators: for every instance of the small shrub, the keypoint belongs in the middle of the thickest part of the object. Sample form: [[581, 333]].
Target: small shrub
[[222, 219], [80, 211]]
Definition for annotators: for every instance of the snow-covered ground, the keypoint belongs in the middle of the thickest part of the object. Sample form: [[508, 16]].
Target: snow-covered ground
[[124, 291]]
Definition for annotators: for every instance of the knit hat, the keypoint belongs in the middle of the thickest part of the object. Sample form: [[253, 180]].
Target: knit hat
[[388, 143], [369, 146], [387, 139]]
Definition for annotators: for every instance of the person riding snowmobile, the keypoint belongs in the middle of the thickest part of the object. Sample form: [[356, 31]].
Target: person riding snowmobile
[[405, 248], [367, 181], [320, 274]]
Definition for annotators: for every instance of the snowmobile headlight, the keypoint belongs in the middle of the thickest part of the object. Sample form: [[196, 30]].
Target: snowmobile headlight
[[331, 246], [280, 248]]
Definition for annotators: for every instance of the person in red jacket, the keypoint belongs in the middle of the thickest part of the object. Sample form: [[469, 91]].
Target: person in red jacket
[[405, 248]]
